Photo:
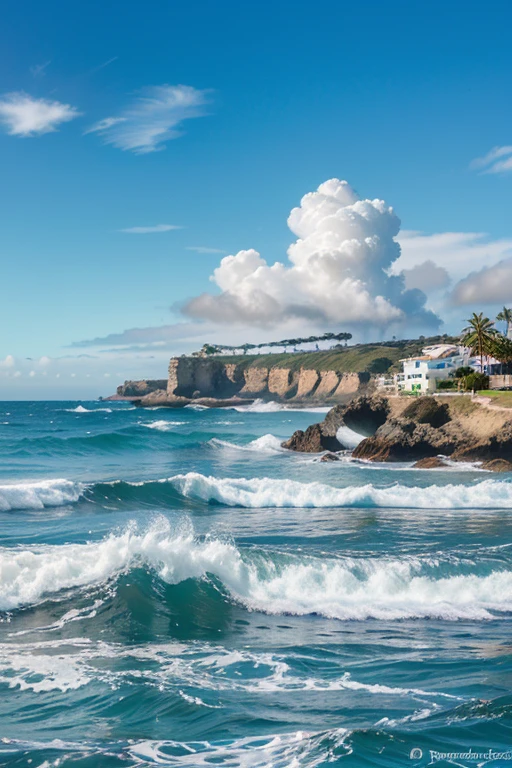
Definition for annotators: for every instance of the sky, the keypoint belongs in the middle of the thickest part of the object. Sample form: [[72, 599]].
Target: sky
[[174, 174]]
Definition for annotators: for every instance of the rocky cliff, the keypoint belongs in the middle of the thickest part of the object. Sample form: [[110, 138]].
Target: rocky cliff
[[199, 377], [420, 430]]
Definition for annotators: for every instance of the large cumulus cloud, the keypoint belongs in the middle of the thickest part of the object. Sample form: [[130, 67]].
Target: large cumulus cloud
[[339, 271]]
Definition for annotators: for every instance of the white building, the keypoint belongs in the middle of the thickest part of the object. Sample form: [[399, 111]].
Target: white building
[[421, 374]]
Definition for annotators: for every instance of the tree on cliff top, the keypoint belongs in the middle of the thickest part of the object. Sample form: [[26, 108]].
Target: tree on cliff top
[[480, 336], [505, 315]]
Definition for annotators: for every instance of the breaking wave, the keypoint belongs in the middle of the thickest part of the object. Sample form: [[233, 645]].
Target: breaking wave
[[256, 493], [162, 425], [271, 493], [265, 444], [39, 494], [341, 588], [271, 406]]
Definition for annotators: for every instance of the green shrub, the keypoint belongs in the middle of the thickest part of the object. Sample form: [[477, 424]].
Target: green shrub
[[447, 384], [476, 381], [380, 365]]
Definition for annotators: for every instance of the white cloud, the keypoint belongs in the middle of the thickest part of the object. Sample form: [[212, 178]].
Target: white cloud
[[150, 230], [498, 160], [339, 271], [204, 249], [426, 276], [457, 252], [490, 285], [153, 118], [23, 115], [32, 374], [8, 362]]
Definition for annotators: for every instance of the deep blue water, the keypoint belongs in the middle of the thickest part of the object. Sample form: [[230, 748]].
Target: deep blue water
[[176, 590]]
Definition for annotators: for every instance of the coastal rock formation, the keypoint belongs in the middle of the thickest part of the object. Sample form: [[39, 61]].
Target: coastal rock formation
[[364, 412], [141, 388], [423, 430], [432, 462]]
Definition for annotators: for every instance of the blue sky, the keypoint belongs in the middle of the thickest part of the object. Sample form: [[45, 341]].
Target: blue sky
[[221, 117]]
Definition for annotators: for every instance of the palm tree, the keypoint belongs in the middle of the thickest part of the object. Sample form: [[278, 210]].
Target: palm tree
[[506, 316], [479, 336]]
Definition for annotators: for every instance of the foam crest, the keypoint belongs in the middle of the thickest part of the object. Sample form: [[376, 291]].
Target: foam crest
[[264, 444], [81, 409], [39, 494], [27, 575], [271, 406], [162, 425], [274, 493], [340, 588]]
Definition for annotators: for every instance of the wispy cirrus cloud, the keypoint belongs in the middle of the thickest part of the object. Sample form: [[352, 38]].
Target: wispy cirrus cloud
[[39, 70], [153, 118], [150, 230], [498, 160], [204, 249], [23, 115]]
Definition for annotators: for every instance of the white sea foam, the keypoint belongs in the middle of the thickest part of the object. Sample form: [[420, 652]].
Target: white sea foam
[[271, 406], [342, 588], [196, 407], [162, 425], [39, 494], [81, 409], [271, 492], [348, 438], [71, 664], [264, 444], [289, 750]]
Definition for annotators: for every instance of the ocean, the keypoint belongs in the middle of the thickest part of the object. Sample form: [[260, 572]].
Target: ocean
[[177, 590]]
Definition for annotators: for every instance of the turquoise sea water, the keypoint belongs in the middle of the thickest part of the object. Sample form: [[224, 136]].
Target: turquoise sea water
[[177, 590]]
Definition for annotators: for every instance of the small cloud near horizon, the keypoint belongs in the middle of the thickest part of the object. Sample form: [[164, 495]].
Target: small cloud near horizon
[[24, 115], [150, 230]]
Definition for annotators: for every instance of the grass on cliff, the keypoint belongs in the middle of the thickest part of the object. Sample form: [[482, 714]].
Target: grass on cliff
[[353, 359], [501, 398]]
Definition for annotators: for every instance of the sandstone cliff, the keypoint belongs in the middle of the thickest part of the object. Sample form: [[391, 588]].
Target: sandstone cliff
[[199, 377]]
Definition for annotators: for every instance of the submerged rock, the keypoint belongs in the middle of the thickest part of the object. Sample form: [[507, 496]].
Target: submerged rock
[[432, 462], [330, 457]]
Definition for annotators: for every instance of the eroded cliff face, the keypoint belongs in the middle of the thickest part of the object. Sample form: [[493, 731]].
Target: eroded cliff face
[[200, 377]]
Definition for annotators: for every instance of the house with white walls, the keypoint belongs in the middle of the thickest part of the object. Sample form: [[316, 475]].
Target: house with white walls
[[421, 374]]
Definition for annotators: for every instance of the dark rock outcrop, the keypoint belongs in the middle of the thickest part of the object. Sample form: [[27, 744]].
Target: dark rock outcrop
[[426, 410], [330, 457], [401, 439], [364, 415], [141, 388], [313, 440]]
